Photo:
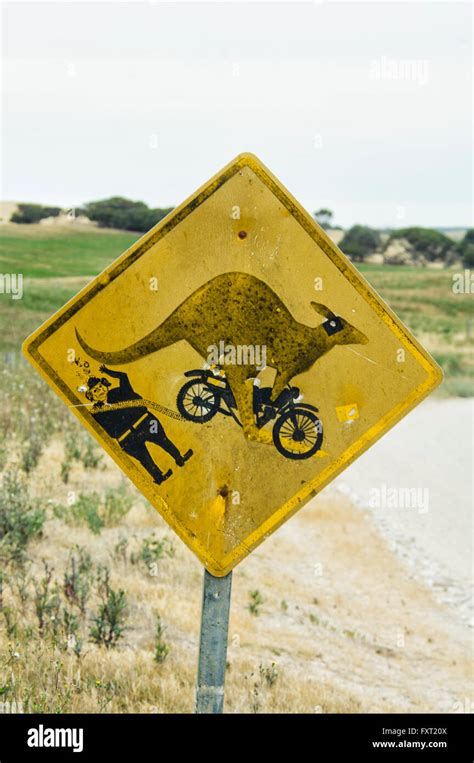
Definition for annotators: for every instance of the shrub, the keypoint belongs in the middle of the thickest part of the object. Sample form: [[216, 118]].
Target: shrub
[[11, 624], [432, 244], [31, 452], [21, 518], [151, 550], [256, 601], [3, 455], [85, 510], [108, 624], [33, 213], [161, 648], [118, 212], [359, 241], [117, 503], [90, 456], [29, 414], [269, 674], [20, 584], [323, 217], [96, 511], [78, 446], [466, 249], [47, 602], [120, 550], [70, 625], [78, 578]]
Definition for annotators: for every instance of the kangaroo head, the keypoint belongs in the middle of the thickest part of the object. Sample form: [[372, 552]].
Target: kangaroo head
[[337, 329]]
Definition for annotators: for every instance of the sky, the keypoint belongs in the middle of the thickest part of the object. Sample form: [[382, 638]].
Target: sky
[[361, 107]]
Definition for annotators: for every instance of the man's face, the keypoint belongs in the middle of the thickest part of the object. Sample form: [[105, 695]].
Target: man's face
[[99, 393]]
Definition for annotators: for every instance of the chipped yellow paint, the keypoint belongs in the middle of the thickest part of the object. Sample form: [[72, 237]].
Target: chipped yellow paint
[[216, 525], [347, 412], [239, 265]]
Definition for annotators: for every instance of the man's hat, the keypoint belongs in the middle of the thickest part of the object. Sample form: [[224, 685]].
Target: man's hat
[[94, 380]]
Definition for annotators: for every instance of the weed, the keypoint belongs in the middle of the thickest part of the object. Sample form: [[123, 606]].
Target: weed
[[86, 511], [10, 624], [47, 602], [78, 578], [71, 632], [256, 601], [161, 647], [32, 451], [94, 510], [269, 674], [120, 550], [105, 692], [21, 519], [90, 457], [255, 703], [20, 586], [3, 456], [151, 550], [78, 446], [108, 624], [117, 503]]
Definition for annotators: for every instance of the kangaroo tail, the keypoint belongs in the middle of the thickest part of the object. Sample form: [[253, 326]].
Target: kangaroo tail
[[160, 337]]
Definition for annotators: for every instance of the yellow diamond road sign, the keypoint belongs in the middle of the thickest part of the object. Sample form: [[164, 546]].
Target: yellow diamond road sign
[[232, 362]]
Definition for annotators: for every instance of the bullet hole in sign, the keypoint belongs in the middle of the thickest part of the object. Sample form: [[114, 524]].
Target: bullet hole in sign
[[242, 234]]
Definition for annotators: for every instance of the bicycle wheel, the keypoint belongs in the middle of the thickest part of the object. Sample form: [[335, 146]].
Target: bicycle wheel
[[298, 434], [196, 402]]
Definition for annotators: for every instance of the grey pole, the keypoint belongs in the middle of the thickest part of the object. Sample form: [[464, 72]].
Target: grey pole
[[213, 643]]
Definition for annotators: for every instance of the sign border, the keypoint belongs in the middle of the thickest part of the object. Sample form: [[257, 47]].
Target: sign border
[[31, 349]]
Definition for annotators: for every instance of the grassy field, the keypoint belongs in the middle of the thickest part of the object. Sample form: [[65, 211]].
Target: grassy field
[[440, 319], [99, 603], [38, 251], [57, 263]]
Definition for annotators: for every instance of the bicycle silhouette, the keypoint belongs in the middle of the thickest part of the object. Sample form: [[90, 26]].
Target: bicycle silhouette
[[297, 431]]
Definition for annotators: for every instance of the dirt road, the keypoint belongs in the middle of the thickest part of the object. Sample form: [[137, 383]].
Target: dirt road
[[429, 453]]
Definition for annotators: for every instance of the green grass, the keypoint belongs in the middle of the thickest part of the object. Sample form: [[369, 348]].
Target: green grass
[[423, 299], [441, 320], [19, 318], [42, 254], [39, 252], [57, 263]]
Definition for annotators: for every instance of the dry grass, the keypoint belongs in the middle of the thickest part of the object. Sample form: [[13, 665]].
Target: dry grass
[[342, 626]]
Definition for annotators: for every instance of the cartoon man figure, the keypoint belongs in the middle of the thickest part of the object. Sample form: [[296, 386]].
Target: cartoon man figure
[[131, 427]]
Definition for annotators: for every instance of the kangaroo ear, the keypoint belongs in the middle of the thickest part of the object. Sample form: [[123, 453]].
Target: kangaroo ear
[[322, 310]]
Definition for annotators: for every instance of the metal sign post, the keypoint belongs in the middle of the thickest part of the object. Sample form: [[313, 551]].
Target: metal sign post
[[240, 281], [213, 643]]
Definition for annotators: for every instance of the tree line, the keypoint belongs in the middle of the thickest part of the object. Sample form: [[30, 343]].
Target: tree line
[[358, 242], [116, 212]]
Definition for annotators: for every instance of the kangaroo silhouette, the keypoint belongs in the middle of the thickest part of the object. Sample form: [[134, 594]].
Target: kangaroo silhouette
[[240, 309]]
